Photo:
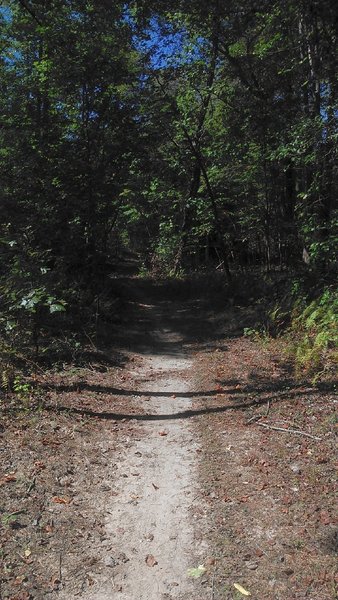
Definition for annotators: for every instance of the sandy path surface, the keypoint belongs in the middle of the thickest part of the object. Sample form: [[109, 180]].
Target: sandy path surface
[[150, 528]]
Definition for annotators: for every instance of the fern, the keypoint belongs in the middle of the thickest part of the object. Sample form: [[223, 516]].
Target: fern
[[313, 334]]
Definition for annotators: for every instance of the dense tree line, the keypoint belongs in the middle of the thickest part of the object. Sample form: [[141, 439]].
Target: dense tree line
[[193, 133]]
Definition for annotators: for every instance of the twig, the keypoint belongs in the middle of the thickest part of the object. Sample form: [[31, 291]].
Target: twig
[[90, 340], [297, 431], [60, 567], [260, 416], [31, 486], [15, 513], [254, 418], [213, 584]]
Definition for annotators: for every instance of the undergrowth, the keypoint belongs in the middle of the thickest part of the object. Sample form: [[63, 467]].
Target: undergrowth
[[308, 326], [313, 334]]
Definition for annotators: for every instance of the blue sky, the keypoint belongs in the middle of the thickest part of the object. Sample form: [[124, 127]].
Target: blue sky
[[164, 45], [167, 46]]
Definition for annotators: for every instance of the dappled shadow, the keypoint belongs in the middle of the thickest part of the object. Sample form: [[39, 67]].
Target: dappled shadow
[[79, 357], [154, 323], [163, 318]]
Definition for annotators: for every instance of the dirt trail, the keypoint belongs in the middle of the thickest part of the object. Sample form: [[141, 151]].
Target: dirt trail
[[174, 448], [149, 526], [153, 506]]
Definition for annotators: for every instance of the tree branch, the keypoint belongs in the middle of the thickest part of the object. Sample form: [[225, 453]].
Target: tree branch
[[28, 9]]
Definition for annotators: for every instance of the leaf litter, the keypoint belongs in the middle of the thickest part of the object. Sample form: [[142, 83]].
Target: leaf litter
[[281, 533]]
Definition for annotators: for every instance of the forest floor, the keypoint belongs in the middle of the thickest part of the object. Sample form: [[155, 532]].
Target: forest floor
[[181, 461]]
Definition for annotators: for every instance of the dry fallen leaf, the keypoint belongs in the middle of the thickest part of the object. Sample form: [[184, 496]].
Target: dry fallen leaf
[[55, 583], [65, 500], [162, 433], [28, 552], [7, 478], [151, 560], [22, 596], [134, 497], [39, 464], [19, 580], [324, 517], [241, 589]]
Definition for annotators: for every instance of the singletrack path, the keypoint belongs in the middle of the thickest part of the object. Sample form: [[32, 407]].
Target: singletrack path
[[153, 518]]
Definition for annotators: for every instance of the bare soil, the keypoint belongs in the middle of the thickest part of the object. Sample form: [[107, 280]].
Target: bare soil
[[158, 456]]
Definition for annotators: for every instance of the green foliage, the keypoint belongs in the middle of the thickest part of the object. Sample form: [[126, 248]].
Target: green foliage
[[313, 335], [195, 134], [22, 389], [165, 251], [259, 335]]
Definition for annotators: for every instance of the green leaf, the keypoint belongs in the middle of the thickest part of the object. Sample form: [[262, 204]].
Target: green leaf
[[57, 308], [197, 572]]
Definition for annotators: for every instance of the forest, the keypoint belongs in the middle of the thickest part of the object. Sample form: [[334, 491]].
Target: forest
[[197, 137], [168, 299]]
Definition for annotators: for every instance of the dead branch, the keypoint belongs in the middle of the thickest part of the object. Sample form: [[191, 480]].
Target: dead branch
[[296, 431]]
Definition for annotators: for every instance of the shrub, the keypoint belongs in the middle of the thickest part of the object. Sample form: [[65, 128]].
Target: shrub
[[313, 334]]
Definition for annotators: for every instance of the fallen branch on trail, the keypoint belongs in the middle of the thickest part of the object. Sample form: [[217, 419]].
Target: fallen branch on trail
[[260, 416], [297, 431]]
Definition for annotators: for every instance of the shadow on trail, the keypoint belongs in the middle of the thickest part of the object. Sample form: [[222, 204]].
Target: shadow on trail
[[164, 317], [129, 393], [257, 396], [185, 414], [286, 388]]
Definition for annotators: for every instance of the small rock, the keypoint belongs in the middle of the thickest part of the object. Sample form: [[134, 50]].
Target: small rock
[[110, 561], [251, 565], [295, 468], [65, 481], [122, 558], [151, 560]]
